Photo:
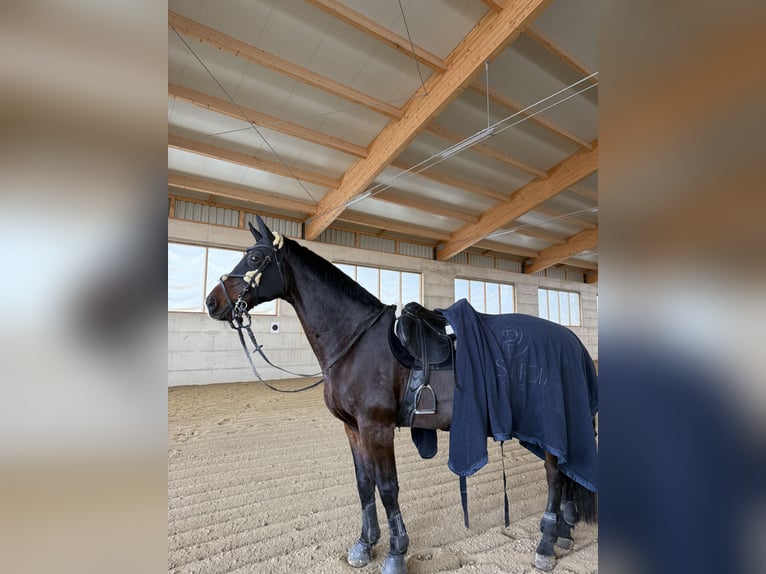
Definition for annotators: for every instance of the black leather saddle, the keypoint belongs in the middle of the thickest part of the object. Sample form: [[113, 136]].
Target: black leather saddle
[[423, 333], [430, 354]]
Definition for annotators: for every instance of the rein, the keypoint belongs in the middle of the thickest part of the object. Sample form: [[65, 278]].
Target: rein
[[241, 325], [241, 321]]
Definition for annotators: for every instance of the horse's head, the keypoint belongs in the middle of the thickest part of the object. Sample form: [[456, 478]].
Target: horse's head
[[255, 279]]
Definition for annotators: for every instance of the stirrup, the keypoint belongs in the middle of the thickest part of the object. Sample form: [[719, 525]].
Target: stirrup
[[426, 410]]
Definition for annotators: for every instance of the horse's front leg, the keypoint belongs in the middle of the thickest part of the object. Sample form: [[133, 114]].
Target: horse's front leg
[[360, 553], [545, 556], [378, 442]]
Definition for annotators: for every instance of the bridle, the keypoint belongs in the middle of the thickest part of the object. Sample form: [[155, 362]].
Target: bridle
[[240, 318]]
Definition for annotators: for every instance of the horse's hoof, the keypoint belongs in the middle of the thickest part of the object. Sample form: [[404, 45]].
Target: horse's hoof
[[565, 543], [544, 563], [394, 564], [360, 554]]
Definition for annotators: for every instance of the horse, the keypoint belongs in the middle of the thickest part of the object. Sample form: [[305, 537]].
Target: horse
[[347, 328]]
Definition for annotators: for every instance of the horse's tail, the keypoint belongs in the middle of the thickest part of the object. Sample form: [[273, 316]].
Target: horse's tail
[[586, 501]]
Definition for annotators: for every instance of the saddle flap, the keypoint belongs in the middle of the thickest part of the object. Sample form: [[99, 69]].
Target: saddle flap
[[423, 334]]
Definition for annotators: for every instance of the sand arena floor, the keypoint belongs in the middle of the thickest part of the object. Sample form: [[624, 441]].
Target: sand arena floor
[[263, 482]]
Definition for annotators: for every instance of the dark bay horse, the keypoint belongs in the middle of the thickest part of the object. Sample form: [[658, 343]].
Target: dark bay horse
[[347, 329]]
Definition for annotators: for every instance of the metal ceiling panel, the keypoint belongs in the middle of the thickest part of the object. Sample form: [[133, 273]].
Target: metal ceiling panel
[[405, 214], [544, 75], [573, 26], [434, 25]]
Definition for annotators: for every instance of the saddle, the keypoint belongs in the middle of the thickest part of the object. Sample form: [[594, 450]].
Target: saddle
[[429, 351]]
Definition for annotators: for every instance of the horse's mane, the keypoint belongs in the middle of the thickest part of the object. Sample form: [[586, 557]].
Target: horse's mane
[[332, 276]]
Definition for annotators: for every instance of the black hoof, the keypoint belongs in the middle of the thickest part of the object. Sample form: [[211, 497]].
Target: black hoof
[[360, 554], [394, 564], [544, 563]]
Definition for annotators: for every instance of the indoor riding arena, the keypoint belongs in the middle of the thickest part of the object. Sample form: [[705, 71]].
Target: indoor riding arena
[[326, 157]]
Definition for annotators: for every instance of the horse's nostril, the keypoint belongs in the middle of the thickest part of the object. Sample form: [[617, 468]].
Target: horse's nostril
[[211, 304]]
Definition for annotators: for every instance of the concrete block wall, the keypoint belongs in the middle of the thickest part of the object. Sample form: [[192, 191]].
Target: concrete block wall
[[203, 351]]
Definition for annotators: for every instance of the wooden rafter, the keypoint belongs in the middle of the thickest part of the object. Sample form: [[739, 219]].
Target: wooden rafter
[[216, 152], [248, 160], [560, 53], [391, 225], [506, 248], [381, 33], [580, 190], [515, 107], [219, 189], [454, 182], [484, 42], [495, 5], [224, 107], [554, 254], [425, 205], [591, 276], [207, 35], [569, 171], [344, 13], [541, 234], [571, 219], [485, 150], [580, 263]]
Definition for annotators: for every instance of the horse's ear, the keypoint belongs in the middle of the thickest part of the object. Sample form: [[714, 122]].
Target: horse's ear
[[265, 231], [254, 231]]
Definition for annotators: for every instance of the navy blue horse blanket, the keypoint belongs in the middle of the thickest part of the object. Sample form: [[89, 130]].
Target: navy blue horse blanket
[[523, 377]]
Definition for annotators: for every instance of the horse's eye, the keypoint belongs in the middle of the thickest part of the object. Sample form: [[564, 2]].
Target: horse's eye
[[252, 259]]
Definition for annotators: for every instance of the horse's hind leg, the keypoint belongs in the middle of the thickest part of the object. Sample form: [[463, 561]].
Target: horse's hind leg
[[568, 516], [545, 556], [378, 442], [360, 553]]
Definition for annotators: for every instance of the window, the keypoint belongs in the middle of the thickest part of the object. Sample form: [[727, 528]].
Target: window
[[485, 297], [559, 306], [193, 270], [391, 287]]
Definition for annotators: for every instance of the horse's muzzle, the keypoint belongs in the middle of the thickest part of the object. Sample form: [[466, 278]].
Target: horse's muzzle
[[221, 313]]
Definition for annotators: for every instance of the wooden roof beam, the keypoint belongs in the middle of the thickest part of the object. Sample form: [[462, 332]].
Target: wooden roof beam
[[506, 248], [493, 33], [228, 191], [561, 176], [427, 206], [226, 108], [391, 225], [550, 256], [215, 152], [368, 26], [536, 35], [207, 35], [485, 150], [381, 33], [515, 107], [495, 5]]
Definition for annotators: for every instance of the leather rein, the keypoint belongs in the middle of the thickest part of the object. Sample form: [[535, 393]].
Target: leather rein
[[240, 320]]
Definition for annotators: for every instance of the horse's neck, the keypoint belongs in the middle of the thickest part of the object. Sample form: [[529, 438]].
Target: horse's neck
[[330, 317]]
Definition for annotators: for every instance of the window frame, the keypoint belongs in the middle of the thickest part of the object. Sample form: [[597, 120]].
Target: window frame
[[265, 308], [502, 310], [400, 272], [546, 314]]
